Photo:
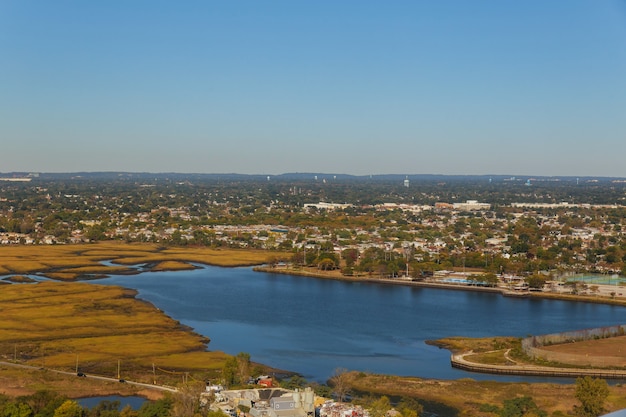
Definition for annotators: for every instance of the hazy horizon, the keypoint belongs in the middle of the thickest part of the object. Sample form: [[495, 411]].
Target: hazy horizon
[[314, 175], [262, 88]]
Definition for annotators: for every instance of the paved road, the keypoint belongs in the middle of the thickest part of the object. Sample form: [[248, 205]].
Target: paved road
[[98, 377]]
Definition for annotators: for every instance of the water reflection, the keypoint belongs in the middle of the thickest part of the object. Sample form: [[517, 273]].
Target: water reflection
[[91, 402], [313, 326]]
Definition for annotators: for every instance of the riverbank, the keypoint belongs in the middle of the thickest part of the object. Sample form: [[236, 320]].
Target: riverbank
[[467, 397], [601, 297], [97, 260], [459, 361]]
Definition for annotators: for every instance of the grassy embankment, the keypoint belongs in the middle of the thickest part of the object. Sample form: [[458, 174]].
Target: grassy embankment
[[467, 397], [57, 324], [490, 350]]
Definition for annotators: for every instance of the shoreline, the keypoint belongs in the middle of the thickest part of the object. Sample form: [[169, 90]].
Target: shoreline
[[335, 275], [444, 286], [458, 361]]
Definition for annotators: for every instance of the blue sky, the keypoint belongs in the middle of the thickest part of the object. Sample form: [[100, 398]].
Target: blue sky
[[356, 87]]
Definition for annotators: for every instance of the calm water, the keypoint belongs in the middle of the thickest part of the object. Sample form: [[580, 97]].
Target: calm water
[[314, 326], [134, 402]]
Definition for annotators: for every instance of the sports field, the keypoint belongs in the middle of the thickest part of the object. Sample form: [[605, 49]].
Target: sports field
[[592, 279], [613, 349]]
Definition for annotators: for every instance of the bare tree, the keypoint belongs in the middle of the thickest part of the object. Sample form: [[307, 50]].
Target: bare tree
[[340, 383], [187, 399]]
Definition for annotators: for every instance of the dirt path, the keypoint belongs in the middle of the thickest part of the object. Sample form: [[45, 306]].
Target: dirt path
[[459, 361]]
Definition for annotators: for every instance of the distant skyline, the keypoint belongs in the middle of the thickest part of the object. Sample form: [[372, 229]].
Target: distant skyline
[[348, 87]]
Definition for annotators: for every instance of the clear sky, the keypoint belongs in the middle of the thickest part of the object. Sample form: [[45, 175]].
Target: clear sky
[[358, 87]]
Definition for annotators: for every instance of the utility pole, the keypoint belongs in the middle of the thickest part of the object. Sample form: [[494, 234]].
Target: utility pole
[[153, 374], [118, 369], [407, 252], [463, 243], [77, 363]]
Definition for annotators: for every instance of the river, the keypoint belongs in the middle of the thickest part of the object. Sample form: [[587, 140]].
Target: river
[[314, 326]]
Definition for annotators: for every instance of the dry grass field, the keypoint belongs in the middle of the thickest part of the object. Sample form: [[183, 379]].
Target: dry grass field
[[466, 395], [55, 325], [614, 346], [16, 382], [62, 325]]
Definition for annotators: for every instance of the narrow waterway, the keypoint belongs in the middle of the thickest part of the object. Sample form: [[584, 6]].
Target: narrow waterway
[[314, 326]]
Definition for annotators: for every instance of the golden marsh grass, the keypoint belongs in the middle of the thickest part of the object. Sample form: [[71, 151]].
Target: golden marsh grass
[[71, 262], [54, 324], [194, 360], [57, 323], [172, 266], [468, 395]]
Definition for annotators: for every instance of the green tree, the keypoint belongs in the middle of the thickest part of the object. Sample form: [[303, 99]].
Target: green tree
[[229, 371], [521, 407], [490, 279], [536, 281], [592, 393], [159, 408], [69, 408], [128, 411], [379, 407], [326, 264], [410, 407], [177, 238], [44, 402], [322, 390], [17, 409], [332, 257], [311, 256], [294, 382], [243, 366], [96, 233], [105, 409]]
